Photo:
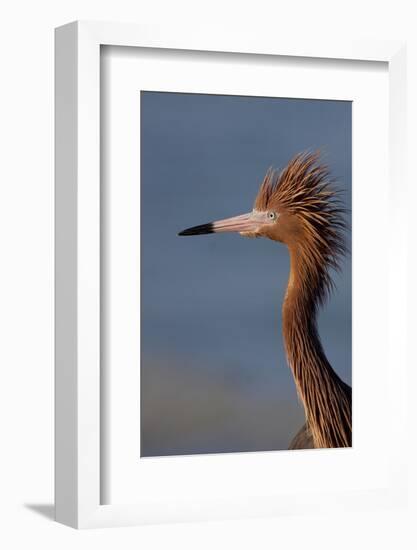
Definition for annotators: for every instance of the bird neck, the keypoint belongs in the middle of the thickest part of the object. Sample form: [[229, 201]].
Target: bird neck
[[326, 398]]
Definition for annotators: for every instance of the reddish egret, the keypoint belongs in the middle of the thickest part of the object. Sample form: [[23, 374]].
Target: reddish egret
[[300, 208]]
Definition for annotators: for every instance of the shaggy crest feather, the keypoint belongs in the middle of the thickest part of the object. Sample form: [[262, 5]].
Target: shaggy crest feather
[[304, 189]]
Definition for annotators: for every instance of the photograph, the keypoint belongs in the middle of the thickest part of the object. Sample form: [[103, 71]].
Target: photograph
[[246, 343]]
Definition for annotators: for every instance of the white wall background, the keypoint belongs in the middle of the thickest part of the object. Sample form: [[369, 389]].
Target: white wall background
[[26, 272]]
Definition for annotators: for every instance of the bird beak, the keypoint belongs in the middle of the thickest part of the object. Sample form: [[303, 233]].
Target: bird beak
[[245, 223]]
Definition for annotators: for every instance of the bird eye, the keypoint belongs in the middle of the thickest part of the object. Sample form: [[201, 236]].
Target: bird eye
[[272, 215]]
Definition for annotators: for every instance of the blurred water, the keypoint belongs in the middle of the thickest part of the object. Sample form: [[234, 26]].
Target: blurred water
[[213, 370]]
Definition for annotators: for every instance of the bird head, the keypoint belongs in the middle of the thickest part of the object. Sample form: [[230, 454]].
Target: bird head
[[297, 206]]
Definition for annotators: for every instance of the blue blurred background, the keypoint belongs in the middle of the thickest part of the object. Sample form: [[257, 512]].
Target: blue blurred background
[[213, 372]]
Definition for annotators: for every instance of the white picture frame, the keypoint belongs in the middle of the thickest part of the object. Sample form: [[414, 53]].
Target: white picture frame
[[78, 405]]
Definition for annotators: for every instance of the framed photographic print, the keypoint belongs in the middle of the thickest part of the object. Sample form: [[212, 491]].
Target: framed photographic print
[[225, 335]]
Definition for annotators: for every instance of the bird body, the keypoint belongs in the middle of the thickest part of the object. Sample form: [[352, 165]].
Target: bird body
[[300, 208]]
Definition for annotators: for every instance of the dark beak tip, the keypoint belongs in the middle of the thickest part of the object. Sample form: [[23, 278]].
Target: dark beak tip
[[197, 230]]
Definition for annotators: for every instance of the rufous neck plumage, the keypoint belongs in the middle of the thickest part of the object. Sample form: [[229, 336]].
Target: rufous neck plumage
[[325, 397]]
